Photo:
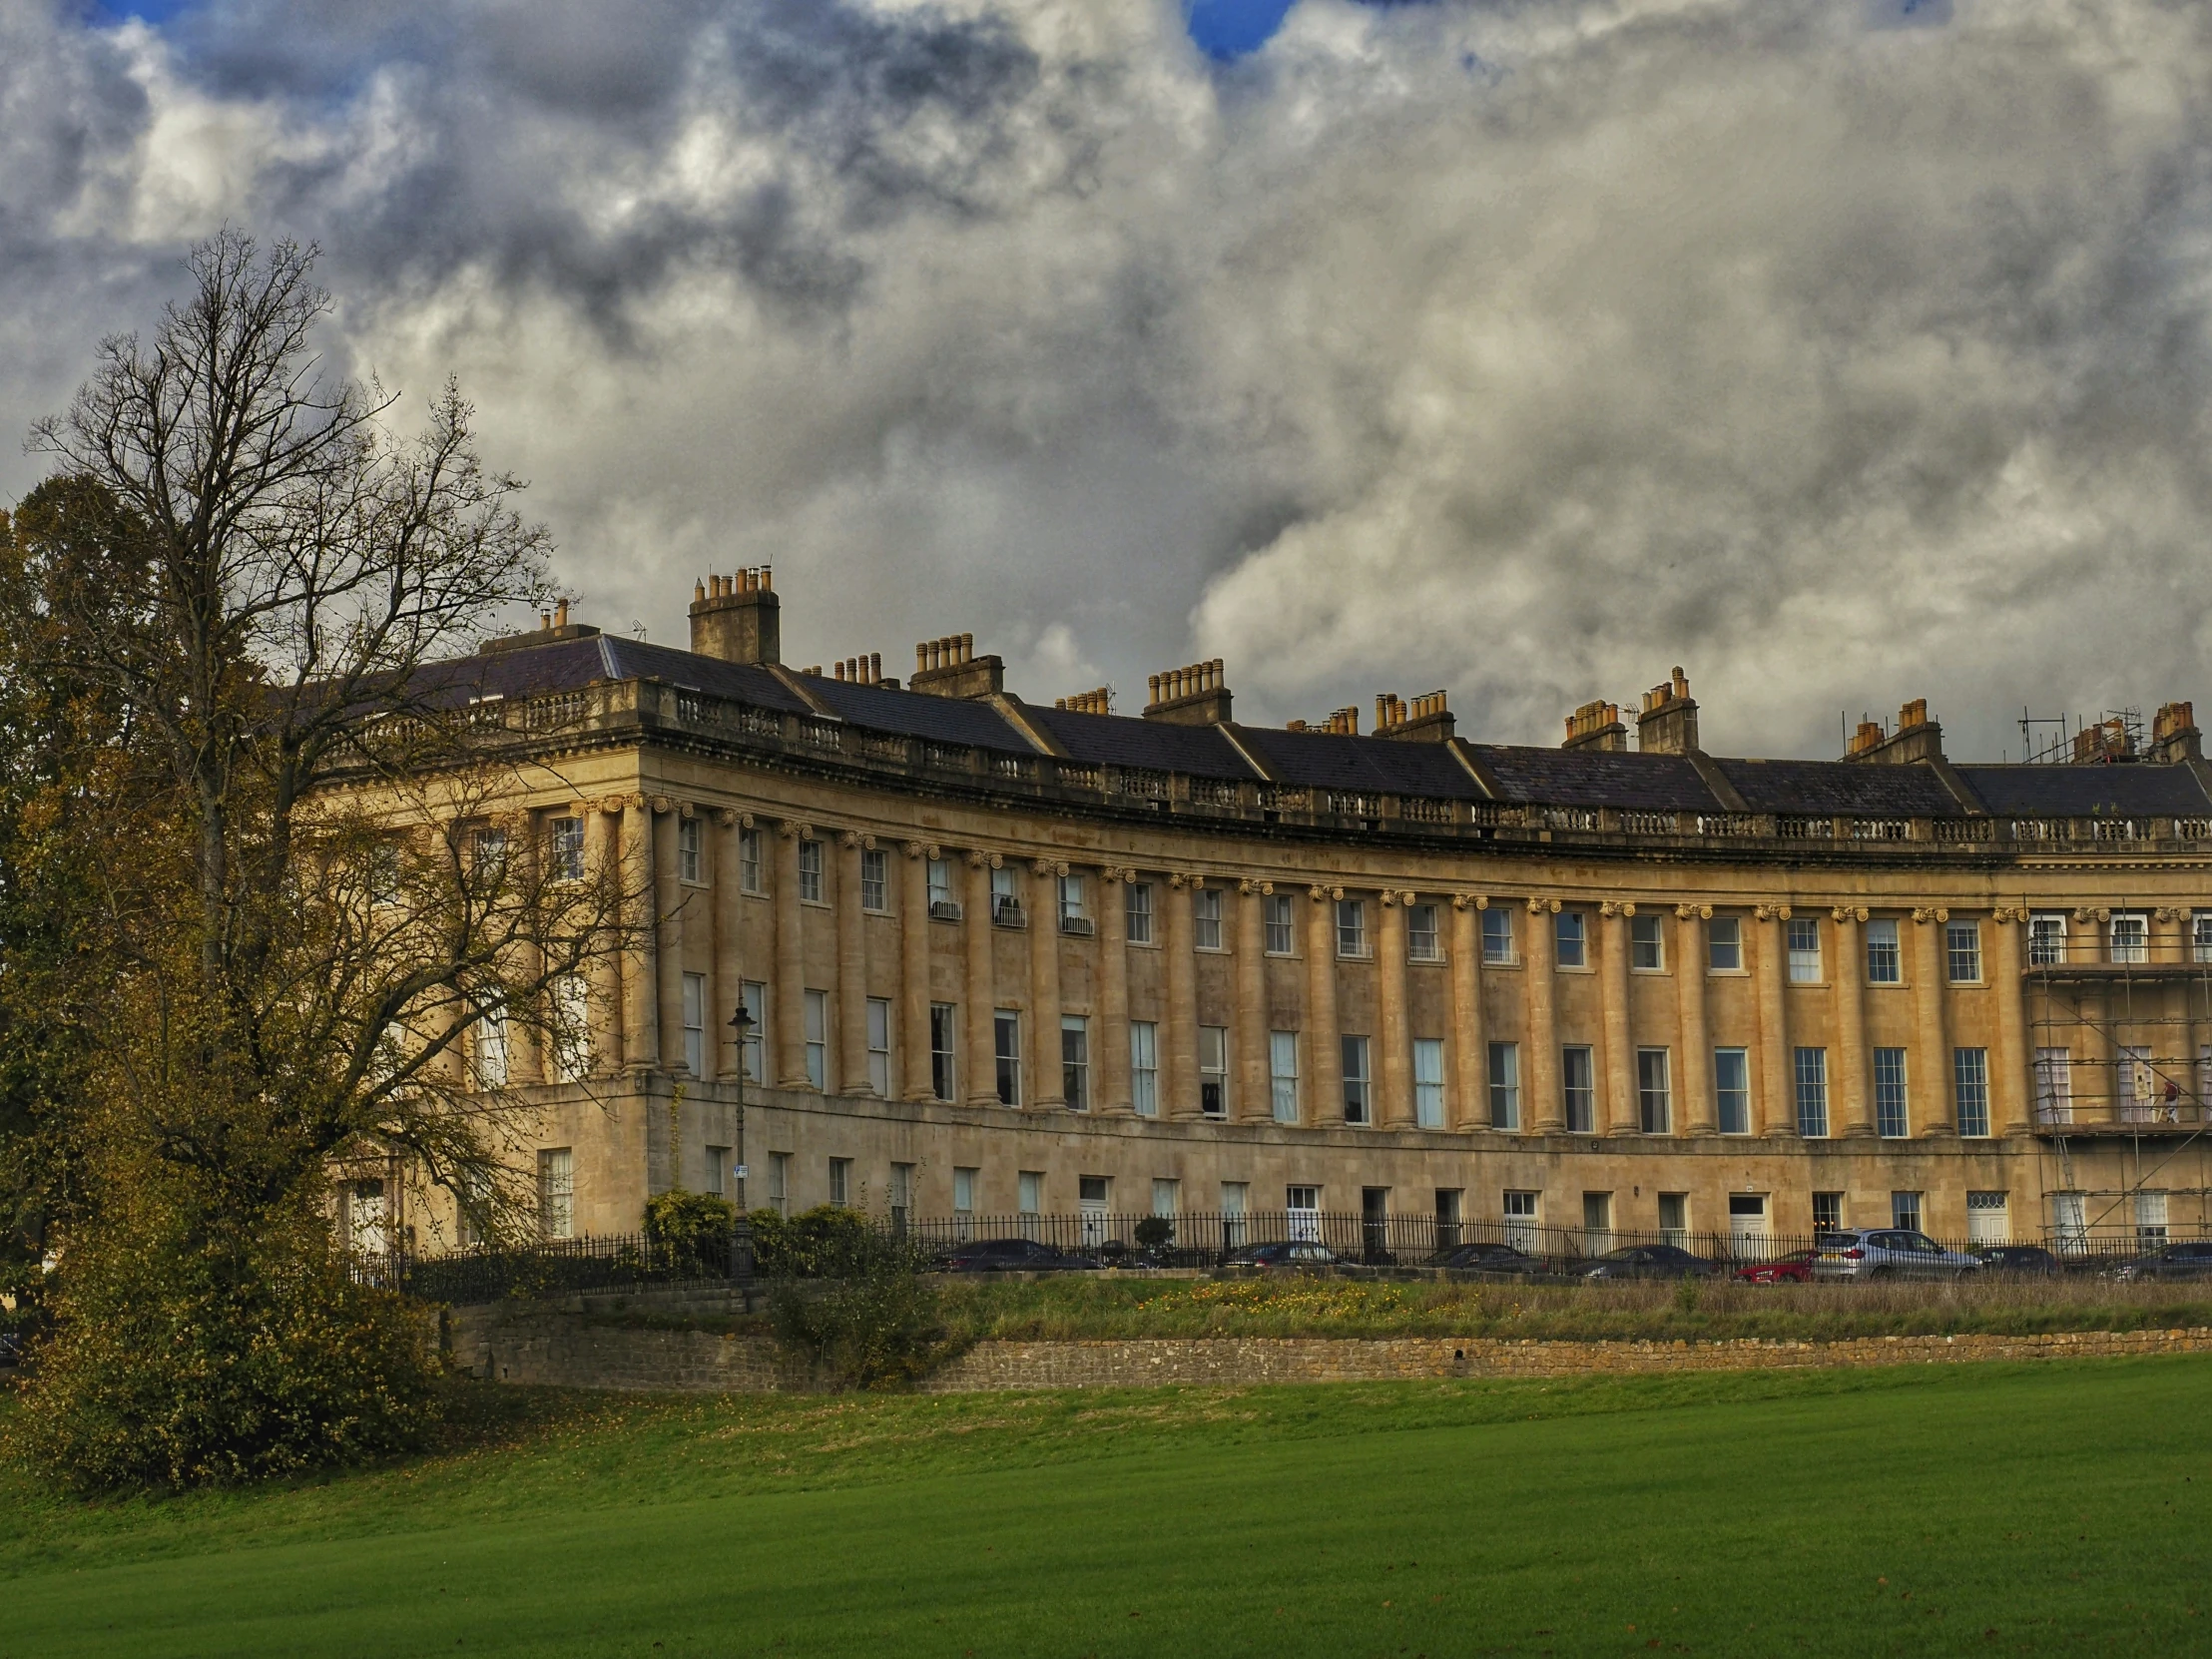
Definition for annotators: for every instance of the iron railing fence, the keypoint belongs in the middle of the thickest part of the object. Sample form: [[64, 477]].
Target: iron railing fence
[[1205, 1241], [552, 1267]]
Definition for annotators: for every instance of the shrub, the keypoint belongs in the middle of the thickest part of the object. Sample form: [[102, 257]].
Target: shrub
[[1155, 1233], [694, 1226], [184, 1355], [848, 1299]]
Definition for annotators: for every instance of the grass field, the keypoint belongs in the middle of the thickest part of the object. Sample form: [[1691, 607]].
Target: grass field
[[2053, 1508]]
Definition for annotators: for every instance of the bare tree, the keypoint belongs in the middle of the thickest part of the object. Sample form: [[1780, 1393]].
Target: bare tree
[[360, 918]]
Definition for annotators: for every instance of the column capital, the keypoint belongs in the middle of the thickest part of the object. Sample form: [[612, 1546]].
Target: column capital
[[1391, 898], [1253, 884], [613, 805], [1319, 894], [2170, 913], [852, 839], [792, 829], [1541, 906], [1470, 901], [2092, 912], [1693, 913], [1849, 912], [922, 850], [662, 805], [2008, 914], [1111, 873], [686, 810], [1772, 912], [731, 819], [1185, 879], [1048, 866], [1931, 912], [1616, 908], [980, 860]]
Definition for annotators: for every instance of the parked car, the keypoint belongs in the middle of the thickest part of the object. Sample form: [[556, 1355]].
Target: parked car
[[1794, 1268], [1649, 1262], [1886, 1253], [2176, 1260], [1282, 1252], [1485, 1258], [1011, 1256], [2020, 1260]]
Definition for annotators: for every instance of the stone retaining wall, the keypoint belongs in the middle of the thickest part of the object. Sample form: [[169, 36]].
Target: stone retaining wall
[[561, 1348]]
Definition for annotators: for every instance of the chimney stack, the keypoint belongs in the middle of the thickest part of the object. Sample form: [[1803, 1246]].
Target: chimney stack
[[948, 666], [2174, 739], [1916, 738], [1194, 695], [553, 627], [2105, 742], [1424, 720], [1098, 702], [1596, 726], [1667, 724], [736, 619]]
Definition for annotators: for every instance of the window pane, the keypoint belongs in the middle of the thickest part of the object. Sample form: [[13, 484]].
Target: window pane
[[1279, 941], [1724, 945], [1144, 1067], [1576, 1077], [1970, 1086], [1505, 1085], [1963, 953], [1647, 946], [1283, 1075], [1883, 966], [1804, 951], [1497, 935], [1889, 1109], [1006, 1039], [1654, 1099], [1137, 910], [1732, 1090], [1429, 1082], [1355, 1079], [1812, 1092], [1351, 927], [1567, 929]]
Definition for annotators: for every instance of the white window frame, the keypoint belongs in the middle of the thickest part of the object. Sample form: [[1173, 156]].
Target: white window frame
[[1647, 944], [840, 1181], [814, 1014], [1962, 948], [1969, 1084], [1804, 959], [557, 1191], [1731, 1101], [2128, 936], [490, 1049], [1356, 1054], [564, 840], [571, 1008], [1522, 1212], [1504, 1077], [2046, 938], [1429, 1082], [1137, 911], [1283, 1101], [1206, 931], [1885, 951], [1278, 919], [1586, 1088], [1075, 1062], [1570, 939], [1731, 930], [876, 880], [1074, 899], [1424, 934], [694, 1024], [1144, 1067], [944, 1050], [810, 870], [1808, 1092], [1897, 1127], [1497, 937], [1654, 1091], [690, 845], [748, 863], [879, 1045], [1006, 1054], [1213, 1070], [1351, 930]]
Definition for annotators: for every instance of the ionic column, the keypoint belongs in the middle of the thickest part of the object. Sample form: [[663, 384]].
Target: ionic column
[[914, 1081], [1179, 1065], [529, 1051], [787, 1007], [1775, 1099], [728, 953], [1323, 1052], [1620, 1059], [1851, 1021], [1050, 1088], [641, 1020], [603, 825], [1249, 1100], [1395, 1071], [853, 1075], [2012, 1111], [2102, 1030], [1470, 1056], [982, 988], [1932, 1060], [1546, 1106], [1703, 1116], [668, 897], [1112, 1059]]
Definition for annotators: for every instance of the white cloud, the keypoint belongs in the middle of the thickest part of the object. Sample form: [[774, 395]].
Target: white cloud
[[1523, 350]]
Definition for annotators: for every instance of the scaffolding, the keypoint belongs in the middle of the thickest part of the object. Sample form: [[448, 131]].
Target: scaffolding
[[2120, 1011]]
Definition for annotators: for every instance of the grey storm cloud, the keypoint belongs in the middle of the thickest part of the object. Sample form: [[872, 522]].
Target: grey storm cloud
[[1523, 348]]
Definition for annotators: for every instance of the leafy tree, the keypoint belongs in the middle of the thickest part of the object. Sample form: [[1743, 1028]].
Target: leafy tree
[[308, 909]]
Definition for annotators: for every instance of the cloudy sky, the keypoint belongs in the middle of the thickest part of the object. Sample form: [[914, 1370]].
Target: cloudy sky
[[1839, 350]]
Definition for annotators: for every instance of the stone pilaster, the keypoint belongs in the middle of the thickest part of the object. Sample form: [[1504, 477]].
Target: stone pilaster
[[729, 944], [1324, 1040], [1620, 1052], [981, 1086], [853, 1075], [1700, 1108], [912, 1040], [1249, 1100], [1848, 977], [1179, 1065], [1774, 1095], [1112, 1055], [641, 1017], [1542, 1104], [1394, 1067], [1469, 1069], [786, 1010], [1932, 1063], [2012, 1106], [1048, 1085]]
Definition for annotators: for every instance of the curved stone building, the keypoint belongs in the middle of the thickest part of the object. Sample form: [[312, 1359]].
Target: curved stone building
[[1012, 958]]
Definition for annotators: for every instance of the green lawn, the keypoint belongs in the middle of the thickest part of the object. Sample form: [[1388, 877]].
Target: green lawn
[[1970, 1509]]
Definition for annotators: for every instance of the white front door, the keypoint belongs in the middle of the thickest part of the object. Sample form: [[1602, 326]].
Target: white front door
[[1988, 1219], [1748, 1232]]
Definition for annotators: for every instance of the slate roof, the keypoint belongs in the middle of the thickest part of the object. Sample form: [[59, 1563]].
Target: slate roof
[[1842, 787], [919, 715], [1596, 778], [1322, 760], [1365, 764], [2128, 790], [1117, 740]]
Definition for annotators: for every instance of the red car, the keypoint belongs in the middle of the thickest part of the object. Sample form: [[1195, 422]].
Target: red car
[[1795, 1267]]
